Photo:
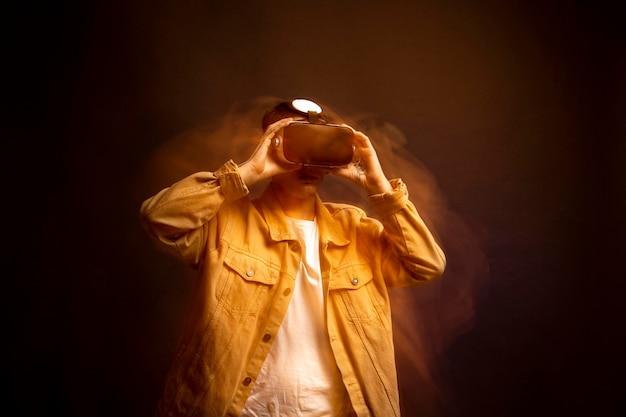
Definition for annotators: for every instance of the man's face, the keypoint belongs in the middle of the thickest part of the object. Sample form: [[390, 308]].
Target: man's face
[[301, 183]]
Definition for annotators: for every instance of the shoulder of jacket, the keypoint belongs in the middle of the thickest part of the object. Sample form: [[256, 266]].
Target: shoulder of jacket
[[344, 210]]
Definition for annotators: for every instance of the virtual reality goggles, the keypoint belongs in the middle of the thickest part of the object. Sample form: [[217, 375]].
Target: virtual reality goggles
[[313, 142]]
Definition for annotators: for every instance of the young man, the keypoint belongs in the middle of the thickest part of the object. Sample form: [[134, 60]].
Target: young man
[[290, 313]]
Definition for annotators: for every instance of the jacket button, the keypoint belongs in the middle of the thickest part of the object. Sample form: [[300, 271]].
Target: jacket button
[[294, 247], [287, 291], [267, 337], [250, 272], [355, 281], [247, 381]]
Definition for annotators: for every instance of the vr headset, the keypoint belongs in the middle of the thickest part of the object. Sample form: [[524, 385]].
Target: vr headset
[[314, 142]]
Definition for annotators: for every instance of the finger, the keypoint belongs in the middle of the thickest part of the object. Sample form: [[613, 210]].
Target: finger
[[348, 171], [270, 133], [362, 140], [276, 126], [264, 146]]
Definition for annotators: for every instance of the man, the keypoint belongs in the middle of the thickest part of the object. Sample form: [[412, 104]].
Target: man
[[290, 313]]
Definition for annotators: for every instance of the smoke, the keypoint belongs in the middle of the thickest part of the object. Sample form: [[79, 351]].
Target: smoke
[[208, 145], [427, 318]]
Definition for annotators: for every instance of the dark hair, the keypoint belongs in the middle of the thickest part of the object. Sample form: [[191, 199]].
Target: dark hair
[[278, 112], [283, 110]]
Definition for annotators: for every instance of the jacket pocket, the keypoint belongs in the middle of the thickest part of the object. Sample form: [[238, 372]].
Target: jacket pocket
[[351, 277], [245, 280], [364, 299]]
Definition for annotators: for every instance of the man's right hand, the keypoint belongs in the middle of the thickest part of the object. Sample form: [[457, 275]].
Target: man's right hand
[[262, 164]]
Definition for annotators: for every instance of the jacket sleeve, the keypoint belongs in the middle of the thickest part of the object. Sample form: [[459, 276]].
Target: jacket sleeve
[[178, 216], [409, 246]]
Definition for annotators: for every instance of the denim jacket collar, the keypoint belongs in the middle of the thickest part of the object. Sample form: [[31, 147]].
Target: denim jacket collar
[[330, 229]]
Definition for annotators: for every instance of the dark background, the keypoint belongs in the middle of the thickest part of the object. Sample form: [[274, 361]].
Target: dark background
[[515, 107]]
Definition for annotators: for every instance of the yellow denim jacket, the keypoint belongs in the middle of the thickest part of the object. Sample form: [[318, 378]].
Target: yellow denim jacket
[[247, 259]]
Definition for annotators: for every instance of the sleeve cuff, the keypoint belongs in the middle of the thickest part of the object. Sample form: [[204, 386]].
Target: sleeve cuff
[[390, 202], [230, 180]]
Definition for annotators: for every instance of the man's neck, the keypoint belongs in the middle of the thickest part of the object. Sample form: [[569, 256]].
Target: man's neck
[[297, 208]]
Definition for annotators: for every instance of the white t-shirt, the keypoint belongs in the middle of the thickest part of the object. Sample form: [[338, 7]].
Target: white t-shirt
[[300, 376]]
